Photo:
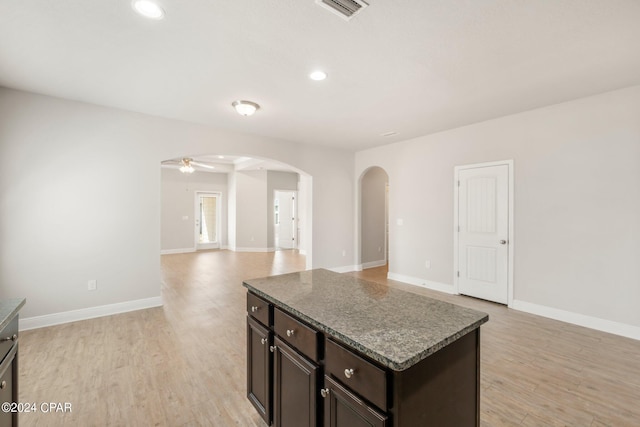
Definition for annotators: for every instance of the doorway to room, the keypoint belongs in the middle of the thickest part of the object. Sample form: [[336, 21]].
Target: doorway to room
[[285, 219], [207, 220], [374, 218]]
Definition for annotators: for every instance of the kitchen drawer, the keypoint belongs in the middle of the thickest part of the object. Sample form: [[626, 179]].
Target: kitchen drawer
[[259, 309], [296, 333], [8, 336], [361, 376]]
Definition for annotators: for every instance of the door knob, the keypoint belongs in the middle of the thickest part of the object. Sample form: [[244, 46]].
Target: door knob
[[503, 242]]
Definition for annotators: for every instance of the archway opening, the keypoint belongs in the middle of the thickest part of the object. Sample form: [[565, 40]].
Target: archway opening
[[244, 189], [374, 218]]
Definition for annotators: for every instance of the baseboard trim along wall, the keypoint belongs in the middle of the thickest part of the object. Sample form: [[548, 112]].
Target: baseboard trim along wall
[[177, 251], [416, 281], [603, 325], [88, 313], [255, 249], [373, 264], [344, 269]]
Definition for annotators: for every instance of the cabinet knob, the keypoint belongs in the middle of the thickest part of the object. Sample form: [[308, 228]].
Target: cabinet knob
[[324, 392], [13, 337], [263, 341], [348, 373], [290, 332], [254, 308], [3, 384], [272, 348]]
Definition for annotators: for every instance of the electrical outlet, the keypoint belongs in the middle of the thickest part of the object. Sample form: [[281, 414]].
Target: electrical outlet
[[344, 252], [427, 264], [379, 248], [92, 285]]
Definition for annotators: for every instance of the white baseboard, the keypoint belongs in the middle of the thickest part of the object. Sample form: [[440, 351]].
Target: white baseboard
[[373, 264], [88, 313], [177, 251], [416, 281], [344, 269], [237, 249], [603, 325]]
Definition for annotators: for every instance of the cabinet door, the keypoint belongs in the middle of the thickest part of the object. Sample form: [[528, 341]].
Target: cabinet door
[[295, 393], [259, 389], [342, 408]]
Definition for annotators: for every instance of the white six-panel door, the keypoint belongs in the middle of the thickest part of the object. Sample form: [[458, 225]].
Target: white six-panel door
[[483, 232]]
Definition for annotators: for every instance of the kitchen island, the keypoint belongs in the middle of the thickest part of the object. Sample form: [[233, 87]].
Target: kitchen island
[[9, 309], [329, 349]]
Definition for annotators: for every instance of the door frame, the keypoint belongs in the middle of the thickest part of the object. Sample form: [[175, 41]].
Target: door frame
[[456, 223], [295, 226], [196, 210]]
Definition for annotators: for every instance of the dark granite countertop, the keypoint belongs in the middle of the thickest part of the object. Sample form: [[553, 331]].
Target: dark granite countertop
[[8, 309], [394, 327]]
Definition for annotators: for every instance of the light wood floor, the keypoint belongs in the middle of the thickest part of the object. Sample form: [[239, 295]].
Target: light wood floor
[[184, 364]]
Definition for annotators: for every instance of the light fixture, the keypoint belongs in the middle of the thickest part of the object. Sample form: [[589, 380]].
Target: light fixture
[[148, 9], [245, 108], [186, 166], [318, 75]]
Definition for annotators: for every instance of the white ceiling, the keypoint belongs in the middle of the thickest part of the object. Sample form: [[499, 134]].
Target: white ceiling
[[408, 66]]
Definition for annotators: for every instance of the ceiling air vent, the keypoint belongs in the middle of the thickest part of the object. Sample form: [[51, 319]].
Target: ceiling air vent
[[346, 9]]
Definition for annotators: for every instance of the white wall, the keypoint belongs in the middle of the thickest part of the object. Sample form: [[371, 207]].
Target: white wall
[[251, 211], [577, 203], [373, 217], [95, 171], [178, 192]]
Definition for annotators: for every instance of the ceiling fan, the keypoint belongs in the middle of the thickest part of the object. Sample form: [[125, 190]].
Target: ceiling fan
[[186, 164]]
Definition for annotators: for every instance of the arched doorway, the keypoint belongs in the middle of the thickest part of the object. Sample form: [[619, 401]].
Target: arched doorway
[[244, 189], [374, 218]]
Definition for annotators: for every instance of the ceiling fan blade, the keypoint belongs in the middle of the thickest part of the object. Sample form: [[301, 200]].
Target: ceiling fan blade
[[202, 165]]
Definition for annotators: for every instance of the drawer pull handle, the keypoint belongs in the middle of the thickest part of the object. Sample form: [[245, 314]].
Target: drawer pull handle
[[324, 392], [290, 332], [348, 373], [272, 348], [3, 384], [13, 337], [263, 341], [254, 308]]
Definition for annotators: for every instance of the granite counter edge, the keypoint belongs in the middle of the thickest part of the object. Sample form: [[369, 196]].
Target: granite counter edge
[[8, 309]]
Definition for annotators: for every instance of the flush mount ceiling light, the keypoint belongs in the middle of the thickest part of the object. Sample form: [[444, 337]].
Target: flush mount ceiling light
[[318, 75], [148, 9], [245, 108]]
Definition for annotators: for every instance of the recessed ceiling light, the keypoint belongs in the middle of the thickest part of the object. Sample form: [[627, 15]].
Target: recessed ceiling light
[[318, 75], [221, 157], [245, 108], [148, 9]]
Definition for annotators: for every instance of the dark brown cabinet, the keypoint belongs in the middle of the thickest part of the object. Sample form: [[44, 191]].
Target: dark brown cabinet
[[295, 388], [259, 364], [9, 371], [342, 408]]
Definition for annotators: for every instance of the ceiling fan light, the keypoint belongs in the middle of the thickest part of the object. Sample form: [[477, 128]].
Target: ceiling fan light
[[187, 169], [245, 108]]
